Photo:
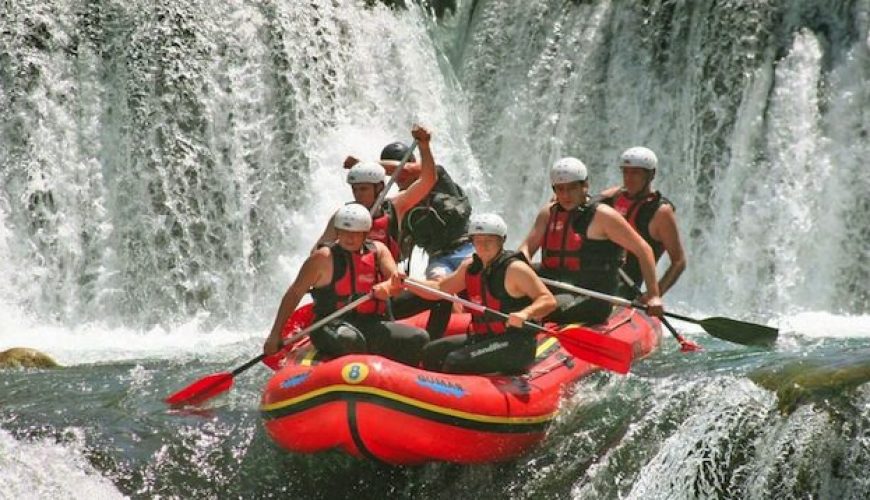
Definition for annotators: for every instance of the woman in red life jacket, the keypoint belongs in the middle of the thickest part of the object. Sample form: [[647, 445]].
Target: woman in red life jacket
[[500, 280], [338, 274], [652, 215], [582, 244]]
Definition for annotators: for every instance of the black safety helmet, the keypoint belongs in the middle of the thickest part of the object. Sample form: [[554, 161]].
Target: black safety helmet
[[396, 152]]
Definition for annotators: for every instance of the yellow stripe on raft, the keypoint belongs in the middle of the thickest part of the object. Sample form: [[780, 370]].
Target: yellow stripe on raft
[[543, 346], [309, 357], [409, 401]]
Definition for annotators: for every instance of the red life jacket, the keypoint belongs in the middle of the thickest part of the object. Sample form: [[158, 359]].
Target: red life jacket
[[486, 287], [560, 249], [631, 207], [353, 275], [381, 232], [639, 214]]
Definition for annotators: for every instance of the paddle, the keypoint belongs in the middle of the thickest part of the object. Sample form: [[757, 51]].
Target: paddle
[[383, 195], [685, 344], [218, 383], [732, 330], [601, 350]]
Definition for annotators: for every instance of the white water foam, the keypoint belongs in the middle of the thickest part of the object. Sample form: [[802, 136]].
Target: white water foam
[[45, 469], [821, 324], [92, 343]]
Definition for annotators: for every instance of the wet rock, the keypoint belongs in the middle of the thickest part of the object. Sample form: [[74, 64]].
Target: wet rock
[[814, 380], [25, 357]]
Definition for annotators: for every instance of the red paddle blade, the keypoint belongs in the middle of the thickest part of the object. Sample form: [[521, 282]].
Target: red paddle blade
[[202, 390], [689, 346], [606, 352], [299, 320]]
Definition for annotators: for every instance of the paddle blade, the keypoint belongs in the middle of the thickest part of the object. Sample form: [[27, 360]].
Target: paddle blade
[[299, 320], [202, 390], [606, 352], [740, 332]]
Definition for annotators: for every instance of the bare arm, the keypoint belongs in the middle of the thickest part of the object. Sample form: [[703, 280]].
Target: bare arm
[[424, 183], [663, 227], [617, 229], [389, 270], [454, 283], [533, 240], [313, 273], [521, 281], [611, 191]]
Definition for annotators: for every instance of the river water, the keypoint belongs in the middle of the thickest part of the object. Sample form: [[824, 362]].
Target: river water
[[165, 168]]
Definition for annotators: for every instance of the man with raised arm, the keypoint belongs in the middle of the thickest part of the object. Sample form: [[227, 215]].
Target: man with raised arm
[[366, 181]]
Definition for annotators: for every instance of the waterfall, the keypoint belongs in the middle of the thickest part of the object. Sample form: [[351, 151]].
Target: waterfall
[[757, 111], [177, 159], [163, 161]]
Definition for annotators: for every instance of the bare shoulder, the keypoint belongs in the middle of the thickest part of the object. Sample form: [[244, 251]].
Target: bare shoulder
[[464, 264], [611, 191], [544, 212], [666, 210], [606, 211], [665, 214], [321, 254], [519, 270]]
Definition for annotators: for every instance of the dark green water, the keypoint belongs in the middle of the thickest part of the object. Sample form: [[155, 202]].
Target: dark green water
[[730, 422]]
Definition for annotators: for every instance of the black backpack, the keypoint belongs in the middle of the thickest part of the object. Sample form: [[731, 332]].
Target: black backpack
[[438, 222]]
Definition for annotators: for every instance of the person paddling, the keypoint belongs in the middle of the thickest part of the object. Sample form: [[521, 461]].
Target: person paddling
[[500, 280], [581, 243], [339, 273], [648, 212]]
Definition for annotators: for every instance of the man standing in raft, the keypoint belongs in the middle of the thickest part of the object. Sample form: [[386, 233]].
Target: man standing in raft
[[582, 244], [338, 274], [500, 280], [650, 214]]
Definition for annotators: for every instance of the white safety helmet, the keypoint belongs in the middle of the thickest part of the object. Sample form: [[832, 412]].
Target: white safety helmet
[[639, 157], [487, 224], [366, 172], [567, 170], [353, 217]]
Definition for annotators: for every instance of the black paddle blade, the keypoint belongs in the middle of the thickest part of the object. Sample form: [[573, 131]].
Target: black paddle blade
[[740, 332]]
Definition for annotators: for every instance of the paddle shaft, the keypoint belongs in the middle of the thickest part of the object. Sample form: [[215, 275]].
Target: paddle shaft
[[601, 350], [619, 301], [630, 282], [383, 195], [212, 385], [739, 332], [314, 326], [469, 304]]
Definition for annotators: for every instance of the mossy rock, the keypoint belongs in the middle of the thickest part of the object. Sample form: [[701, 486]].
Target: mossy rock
[[25, 357]]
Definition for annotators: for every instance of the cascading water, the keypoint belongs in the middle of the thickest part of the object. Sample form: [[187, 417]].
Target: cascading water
[[734, 98], [165, 169]]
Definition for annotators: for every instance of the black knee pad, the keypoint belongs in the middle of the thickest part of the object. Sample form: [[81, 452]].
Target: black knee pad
[[456, 361], [341, 337]]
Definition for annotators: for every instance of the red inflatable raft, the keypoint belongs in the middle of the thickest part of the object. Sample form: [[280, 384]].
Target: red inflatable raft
[[373, 407]]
